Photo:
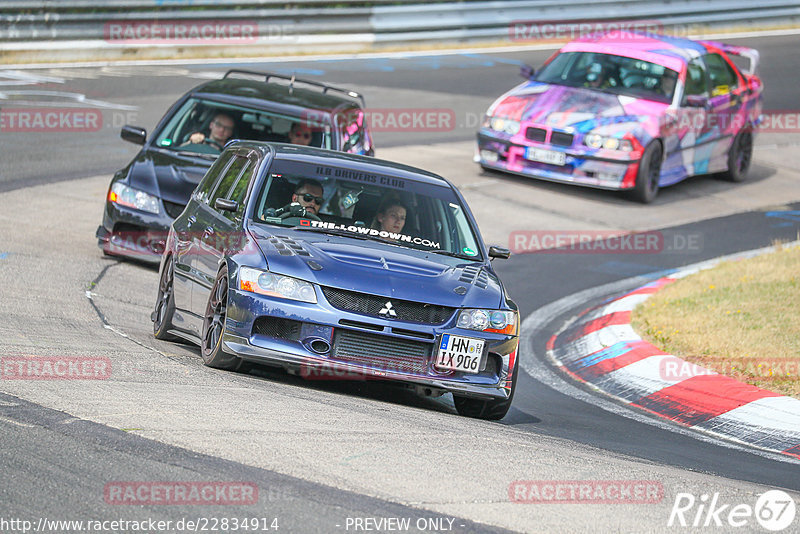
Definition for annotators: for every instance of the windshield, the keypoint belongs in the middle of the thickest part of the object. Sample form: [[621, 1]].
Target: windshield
[[204, 126], [610, 73], [360, 205]]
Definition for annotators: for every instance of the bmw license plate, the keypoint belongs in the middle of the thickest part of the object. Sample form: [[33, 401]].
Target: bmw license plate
[[460, 353], [545, 156]]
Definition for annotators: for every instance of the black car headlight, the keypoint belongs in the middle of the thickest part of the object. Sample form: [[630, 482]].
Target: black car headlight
[[133, 198], [596, 140], [499, 124], [503, 322], [276, 285]]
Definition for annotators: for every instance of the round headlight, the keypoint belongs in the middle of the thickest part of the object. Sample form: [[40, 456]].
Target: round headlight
[[307, 292], [265, 281], [594, 140], [611, 143], [498, 124], [498, 320], [480, 320], [287, 286], [464, 320]]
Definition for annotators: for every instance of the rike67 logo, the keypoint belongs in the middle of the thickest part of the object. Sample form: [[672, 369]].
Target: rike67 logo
[[774, 510]]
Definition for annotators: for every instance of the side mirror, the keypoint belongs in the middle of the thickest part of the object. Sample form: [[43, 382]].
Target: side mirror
[[133, 134], [697, 101], [224, 204], [527, 72], [499, 252]]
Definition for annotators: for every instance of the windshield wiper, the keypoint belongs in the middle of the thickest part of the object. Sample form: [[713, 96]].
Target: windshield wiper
[[452, 254]]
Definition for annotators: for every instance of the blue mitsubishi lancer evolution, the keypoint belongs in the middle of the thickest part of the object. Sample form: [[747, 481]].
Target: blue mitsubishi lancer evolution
[[337, 265]]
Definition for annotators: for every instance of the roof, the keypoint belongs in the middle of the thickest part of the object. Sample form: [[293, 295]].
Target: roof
[[671, 52], [255, 93]]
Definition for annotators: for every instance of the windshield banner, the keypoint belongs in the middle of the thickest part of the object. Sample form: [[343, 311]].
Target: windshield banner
[[362, 230]]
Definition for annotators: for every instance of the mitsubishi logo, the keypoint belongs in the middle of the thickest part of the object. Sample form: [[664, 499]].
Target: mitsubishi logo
[[388, 310]]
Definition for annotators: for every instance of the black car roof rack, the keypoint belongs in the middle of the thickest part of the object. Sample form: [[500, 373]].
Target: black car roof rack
[[292, 79]]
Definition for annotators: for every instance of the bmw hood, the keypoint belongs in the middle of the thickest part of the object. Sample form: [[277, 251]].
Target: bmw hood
[[563, 107], [172, 178], [390, 271]]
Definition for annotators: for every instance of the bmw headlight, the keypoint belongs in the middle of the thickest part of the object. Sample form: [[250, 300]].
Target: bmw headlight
[[133, 198], [499, 124], [596, 140], [504, 322], [276, 285]]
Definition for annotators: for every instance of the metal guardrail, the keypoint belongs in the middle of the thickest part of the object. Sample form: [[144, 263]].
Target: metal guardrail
[[82, 26]]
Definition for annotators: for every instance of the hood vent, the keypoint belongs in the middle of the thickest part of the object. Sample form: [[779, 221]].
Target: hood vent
[[286, 246], [474, 275]]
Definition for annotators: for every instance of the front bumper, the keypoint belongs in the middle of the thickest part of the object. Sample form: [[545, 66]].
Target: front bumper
[[579, 168], [322, 323], [133, 233]]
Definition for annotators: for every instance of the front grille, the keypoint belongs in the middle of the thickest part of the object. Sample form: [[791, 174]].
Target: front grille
[[173, 209], [277, 327], [381, 352], [536, 134], [561, 138], [363, 303]]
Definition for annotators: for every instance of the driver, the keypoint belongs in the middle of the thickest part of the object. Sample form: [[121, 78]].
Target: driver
[[220, 131], [308, 194], [596, 76]]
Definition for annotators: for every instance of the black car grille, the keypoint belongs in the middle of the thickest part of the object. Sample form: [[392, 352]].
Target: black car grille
[[173, 209], [277, 327], [415, 312], [382, 352], [536, 134], [561, 138]]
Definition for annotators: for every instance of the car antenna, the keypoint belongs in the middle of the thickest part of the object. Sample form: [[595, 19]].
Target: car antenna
[[291, 84]]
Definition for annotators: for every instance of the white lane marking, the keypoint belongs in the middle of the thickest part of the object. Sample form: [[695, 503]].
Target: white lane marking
[[11, 421], [536, 368], [69, 99], [16, 77]]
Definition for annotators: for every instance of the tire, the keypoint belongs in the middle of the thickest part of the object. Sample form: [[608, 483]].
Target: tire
[[165, 303], [739, 157], [214, 327], [646, 187], [490, 410]]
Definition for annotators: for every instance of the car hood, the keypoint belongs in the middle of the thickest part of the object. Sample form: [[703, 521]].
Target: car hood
[[379, 269], [172, 178], [563, 107]]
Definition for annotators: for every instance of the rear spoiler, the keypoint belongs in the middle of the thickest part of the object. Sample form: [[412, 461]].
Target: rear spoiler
[[750, 54], [292, 80]]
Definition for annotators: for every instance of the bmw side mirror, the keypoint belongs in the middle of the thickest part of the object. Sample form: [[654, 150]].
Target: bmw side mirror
[[697, 101], [499, 252], [223, 204], [527, 72], [133, 134]]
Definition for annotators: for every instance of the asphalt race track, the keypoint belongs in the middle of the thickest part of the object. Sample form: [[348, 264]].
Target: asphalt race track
[[325, 454]]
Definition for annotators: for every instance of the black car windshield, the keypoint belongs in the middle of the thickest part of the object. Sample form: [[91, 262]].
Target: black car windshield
[[610, 73], [204, 126], [376, 206]]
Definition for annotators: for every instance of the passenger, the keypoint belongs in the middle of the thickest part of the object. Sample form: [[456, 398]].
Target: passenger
[[391, 215], [299, 134], [220, 132], [308, 194]]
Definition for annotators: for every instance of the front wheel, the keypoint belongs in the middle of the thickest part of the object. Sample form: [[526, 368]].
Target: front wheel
[[739, 157], [647, 178], [491, 410], [214, 326], [165, 304]]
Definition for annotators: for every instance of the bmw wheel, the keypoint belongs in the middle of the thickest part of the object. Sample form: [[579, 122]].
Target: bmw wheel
[[646, 187], [739, 157], [214, 326], [165, 304]]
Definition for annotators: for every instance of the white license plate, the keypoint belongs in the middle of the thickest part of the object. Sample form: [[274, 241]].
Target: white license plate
[[460, 353], [545, 156]]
